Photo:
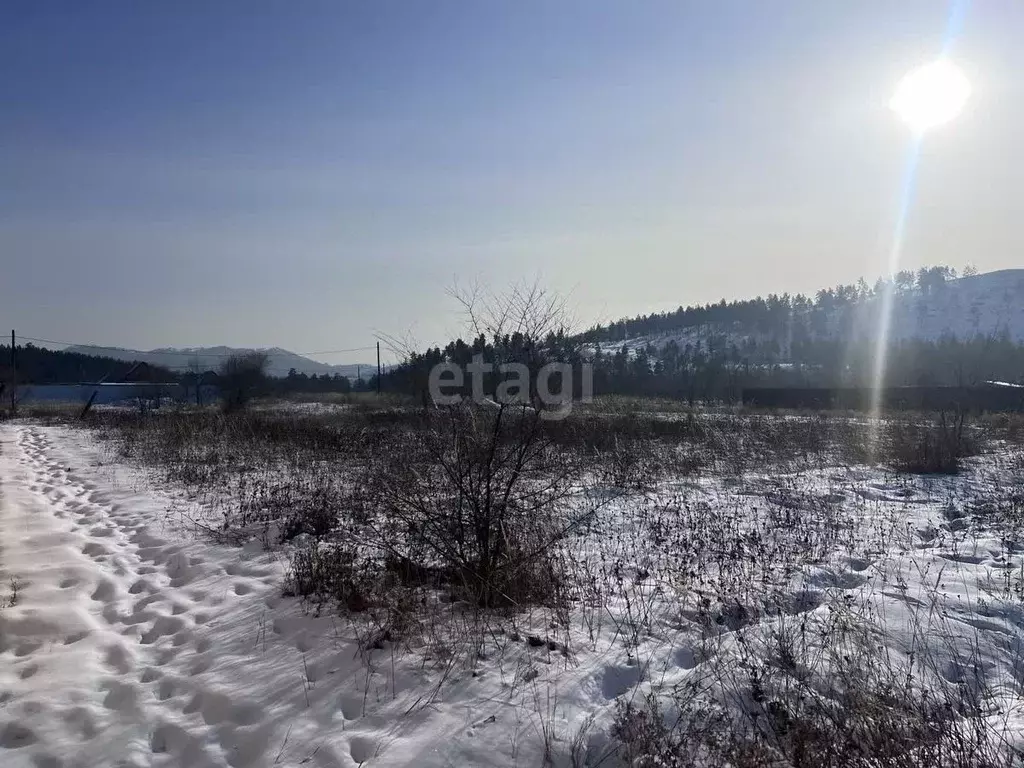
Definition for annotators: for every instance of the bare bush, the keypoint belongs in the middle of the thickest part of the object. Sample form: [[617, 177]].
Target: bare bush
[[483, 496], [240, 378], [328, 574], [930, 448]]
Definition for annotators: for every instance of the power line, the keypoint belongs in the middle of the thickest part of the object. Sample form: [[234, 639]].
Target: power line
[[335, 351]]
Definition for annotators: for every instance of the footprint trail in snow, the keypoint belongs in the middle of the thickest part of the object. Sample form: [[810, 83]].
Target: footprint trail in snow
[[124, 647]]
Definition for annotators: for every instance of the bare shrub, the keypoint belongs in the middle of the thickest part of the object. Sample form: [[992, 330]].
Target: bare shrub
[[327, 573], [240, 378], [483, 496], [930, 448], [1004, 426], [631, 465]]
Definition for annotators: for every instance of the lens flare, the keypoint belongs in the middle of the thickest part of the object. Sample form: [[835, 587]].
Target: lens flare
[[931, 95], [925, 98]]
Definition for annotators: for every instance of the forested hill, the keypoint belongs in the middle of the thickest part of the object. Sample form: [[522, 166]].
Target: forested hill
[[37, 365], [928, 305], [945, 330]]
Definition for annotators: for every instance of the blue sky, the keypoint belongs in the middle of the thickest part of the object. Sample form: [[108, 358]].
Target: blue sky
[[305, 174]]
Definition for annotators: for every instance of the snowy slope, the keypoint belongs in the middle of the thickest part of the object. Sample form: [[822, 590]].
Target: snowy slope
[[985, 305]]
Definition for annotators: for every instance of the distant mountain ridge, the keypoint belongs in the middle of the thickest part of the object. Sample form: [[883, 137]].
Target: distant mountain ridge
[[183, 359]]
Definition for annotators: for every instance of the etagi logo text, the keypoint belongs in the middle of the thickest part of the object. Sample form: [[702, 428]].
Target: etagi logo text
[[447, 380]]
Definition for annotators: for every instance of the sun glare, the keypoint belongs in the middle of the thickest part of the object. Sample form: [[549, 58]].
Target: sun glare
[[931, 95]]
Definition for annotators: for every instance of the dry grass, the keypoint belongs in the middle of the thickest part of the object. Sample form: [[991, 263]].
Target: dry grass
[[818, 693], [931, 446], [473, 541]]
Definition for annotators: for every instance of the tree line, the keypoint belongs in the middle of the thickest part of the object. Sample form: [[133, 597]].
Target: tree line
[[830, 312], [781, 341], [39, 365]]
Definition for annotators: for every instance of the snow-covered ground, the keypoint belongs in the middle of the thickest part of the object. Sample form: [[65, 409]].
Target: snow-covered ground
[[129, 646], [129, 641]]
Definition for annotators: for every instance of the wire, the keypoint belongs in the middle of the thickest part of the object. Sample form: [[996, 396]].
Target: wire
[[336, 351]]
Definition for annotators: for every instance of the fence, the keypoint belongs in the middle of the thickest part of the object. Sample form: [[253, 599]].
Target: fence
[[978, 398]]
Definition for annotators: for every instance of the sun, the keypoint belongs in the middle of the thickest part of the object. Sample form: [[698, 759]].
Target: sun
[[931, 95]]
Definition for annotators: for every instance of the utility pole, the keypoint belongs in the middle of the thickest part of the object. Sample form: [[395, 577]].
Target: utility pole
[[378, 367], [14, 376]]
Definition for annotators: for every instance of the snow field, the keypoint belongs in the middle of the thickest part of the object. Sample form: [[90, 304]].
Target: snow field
[[130, 641]]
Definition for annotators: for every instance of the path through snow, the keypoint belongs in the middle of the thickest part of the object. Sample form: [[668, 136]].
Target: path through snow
[[128, 646]]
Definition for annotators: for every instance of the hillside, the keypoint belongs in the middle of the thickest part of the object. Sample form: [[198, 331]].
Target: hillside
[[280, 361], [945, 331], [926, 307], [981, 305]]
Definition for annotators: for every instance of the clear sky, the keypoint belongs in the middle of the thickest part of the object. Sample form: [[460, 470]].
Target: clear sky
[[305, 174]]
